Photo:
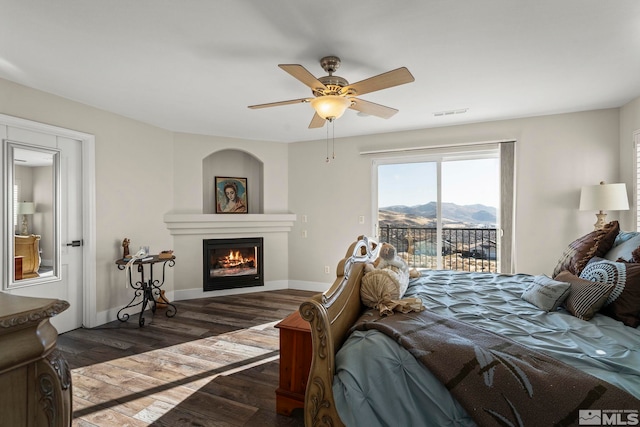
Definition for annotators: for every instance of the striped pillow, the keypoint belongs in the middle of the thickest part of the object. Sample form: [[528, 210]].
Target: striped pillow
[[586, 297]]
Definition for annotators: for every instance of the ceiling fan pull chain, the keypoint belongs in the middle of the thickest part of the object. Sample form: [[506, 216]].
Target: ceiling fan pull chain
[[327, 160], [333, 139]]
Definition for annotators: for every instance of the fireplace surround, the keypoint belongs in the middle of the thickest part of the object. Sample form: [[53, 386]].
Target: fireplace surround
[[232, 263]]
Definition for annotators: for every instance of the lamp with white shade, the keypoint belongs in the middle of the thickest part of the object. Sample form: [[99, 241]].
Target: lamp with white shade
[[604, 197], [24, 209]]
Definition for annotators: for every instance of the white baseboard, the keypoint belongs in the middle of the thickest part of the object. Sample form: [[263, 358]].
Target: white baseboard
[[308, 286], [186, 294]]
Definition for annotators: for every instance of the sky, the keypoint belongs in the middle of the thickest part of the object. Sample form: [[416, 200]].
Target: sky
[[465, 182]]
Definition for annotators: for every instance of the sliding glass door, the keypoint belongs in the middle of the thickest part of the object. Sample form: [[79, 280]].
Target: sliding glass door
[[442, 211]]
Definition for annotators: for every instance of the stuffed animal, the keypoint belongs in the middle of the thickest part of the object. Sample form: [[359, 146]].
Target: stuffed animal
[[385, 282], [388, 258]]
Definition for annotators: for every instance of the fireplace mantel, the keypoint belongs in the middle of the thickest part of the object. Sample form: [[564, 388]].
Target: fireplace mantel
[[212, 224]]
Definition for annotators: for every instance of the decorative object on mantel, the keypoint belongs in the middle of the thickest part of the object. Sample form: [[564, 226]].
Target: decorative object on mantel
[[24, 209], [603, 197], [231, 195]]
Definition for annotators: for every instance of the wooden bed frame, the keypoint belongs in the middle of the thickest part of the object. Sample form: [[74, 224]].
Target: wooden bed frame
[[331, 315]]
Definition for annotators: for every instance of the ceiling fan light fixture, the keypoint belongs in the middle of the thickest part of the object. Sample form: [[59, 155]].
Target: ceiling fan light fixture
[[330, 107]]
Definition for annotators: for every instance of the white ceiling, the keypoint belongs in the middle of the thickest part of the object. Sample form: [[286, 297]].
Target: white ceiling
[[195, 65]]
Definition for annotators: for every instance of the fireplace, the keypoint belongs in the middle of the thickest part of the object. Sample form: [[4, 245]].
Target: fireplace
[[232, 263]]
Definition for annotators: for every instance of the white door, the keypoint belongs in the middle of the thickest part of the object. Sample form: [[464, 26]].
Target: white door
[[69, 288], [71, 234]]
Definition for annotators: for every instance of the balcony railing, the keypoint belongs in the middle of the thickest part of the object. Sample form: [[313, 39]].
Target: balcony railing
[[463, 249]]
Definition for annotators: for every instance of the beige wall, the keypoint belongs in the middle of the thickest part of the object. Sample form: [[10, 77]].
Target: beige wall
[[189, 152], [143, 172], [555, 156], [134, 179]]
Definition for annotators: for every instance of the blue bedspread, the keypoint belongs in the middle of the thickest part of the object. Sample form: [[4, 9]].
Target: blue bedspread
[[379, 383]]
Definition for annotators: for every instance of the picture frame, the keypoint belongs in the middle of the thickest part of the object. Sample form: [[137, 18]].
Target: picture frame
[[231, 195]]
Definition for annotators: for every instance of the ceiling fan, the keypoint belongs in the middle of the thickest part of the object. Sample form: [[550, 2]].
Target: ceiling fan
[[333, 94]]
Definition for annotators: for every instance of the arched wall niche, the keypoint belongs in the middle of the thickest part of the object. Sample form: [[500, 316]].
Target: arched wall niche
[[236, 164]]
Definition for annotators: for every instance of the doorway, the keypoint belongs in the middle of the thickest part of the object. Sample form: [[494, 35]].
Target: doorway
[[74, 235]]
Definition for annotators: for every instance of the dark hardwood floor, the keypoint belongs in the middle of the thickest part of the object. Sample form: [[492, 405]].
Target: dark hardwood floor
[[216, 363]]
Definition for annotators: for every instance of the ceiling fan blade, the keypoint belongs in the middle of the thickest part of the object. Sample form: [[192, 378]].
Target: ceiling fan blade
[[302, 74], [396, 77], [316, 121], [275, 104], [372, 108]]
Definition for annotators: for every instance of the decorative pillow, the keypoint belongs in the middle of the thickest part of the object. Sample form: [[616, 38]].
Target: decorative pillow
[[586, 297], [380, 289], [545, 293], [623, 303], [580, 251], [623, 236], [623, 250]]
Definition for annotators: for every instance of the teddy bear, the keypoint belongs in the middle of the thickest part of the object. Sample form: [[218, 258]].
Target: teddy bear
[[388, 258]]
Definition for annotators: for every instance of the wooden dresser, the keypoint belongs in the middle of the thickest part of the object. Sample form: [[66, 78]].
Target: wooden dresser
[[35, 381], [295, 361]]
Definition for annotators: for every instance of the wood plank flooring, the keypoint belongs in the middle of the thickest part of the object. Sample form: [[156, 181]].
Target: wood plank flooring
[[216, 363]]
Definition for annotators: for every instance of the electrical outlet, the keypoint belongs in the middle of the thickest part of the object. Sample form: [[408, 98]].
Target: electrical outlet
[[361, 219], [304, 233], [304, 218], [327, 269]]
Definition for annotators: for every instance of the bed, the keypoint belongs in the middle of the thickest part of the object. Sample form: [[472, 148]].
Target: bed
[[362, 376]]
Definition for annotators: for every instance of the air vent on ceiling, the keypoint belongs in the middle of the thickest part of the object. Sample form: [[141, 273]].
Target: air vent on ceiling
[[450, 112]]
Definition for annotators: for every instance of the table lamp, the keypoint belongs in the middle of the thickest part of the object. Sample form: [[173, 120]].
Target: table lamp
[[604, 197], [24, 209]]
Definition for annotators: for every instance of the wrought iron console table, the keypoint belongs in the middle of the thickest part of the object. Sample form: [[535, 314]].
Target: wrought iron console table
[[149, 289]]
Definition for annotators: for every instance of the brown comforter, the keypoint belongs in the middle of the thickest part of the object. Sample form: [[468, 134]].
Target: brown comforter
[[498, 381]]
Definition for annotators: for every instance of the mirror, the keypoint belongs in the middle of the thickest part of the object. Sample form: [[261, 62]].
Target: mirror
[[32, 214]]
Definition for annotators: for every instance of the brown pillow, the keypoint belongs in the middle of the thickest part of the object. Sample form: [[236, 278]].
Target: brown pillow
[[580, 251], [624, 302], [586, 297]]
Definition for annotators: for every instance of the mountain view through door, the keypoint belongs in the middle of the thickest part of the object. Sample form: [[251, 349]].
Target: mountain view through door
[[441, 214]]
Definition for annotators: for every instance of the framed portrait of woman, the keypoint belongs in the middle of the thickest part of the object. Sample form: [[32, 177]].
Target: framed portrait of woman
[[231, 195]]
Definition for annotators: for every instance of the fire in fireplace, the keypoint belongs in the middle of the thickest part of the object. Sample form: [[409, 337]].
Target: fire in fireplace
[[232, 263]]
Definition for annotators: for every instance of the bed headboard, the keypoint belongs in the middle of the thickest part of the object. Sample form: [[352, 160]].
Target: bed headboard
[[331, 315]]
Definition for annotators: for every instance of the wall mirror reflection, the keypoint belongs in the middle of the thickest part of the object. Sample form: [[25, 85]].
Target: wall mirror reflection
[[32, 212]]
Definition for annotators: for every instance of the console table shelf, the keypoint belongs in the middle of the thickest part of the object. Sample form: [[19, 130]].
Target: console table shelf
[[149, 289]]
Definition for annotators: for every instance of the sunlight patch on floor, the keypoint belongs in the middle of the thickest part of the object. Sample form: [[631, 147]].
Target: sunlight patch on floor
[[146, 386]]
